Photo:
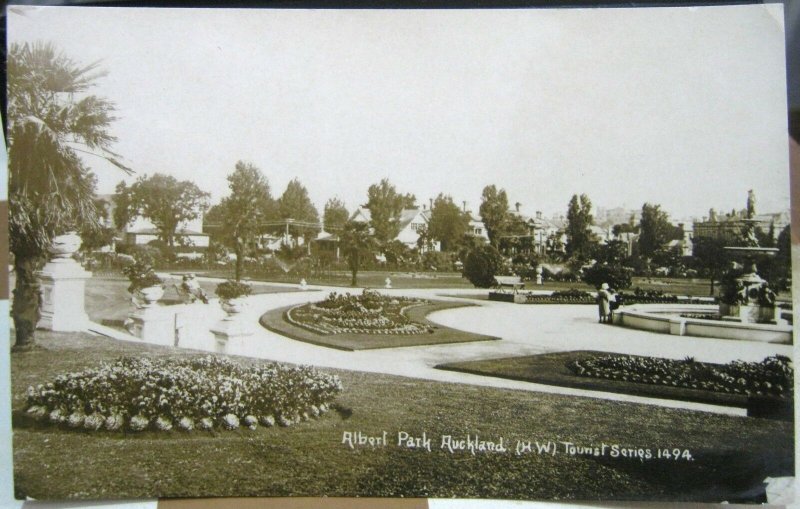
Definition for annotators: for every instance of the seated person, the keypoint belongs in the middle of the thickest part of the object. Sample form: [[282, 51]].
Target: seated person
[[192, 289]]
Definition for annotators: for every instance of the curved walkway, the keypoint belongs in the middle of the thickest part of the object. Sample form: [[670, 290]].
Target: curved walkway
[[525, 329]]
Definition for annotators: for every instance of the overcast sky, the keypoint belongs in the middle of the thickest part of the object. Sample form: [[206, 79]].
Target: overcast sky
[[685, 107]]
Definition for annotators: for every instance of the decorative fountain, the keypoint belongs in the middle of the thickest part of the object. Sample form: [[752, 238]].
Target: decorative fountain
[[747, 308]]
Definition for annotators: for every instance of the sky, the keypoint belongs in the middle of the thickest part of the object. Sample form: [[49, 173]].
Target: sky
[[685, 107]]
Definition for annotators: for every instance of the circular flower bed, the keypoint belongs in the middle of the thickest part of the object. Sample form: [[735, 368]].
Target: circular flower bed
[[774, 376], [202, 393], [368, 313]]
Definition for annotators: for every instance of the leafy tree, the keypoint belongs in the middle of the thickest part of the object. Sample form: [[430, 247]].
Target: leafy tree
[[295, 204], [482, 265], [448, 223], [335, 215], [656, 230], [245, 210], [162, 199], [397, 253], [613, 252], [617, 276], [494, 212], [711, 258], [619, 229], [51, 120], [579, 219], [385, 205], [357, 246]]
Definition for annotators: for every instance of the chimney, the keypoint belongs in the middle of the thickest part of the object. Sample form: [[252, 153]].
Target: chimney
[[517, 206], [464, 207], [538, 214], [424, 207], [430, 202]]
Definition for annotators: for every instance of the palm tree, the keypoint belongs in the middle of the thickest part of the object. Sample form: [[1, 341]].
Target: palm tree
[[357, 244], [51, 120]]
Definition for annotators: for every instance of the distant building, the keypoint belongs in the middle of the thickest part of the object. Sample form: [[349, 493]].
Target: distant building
[[732, 226]]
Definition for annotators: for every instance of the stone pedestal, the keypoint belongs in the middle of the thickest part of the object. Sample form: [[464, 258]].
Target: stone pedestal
[[230, 328], [154, 324], [63, 282]]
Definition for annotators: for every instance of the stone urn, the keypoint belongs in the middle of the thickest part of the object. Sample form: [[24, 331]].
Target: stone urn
[[150, 295], [539, 275], [233, 306], [64, 246]]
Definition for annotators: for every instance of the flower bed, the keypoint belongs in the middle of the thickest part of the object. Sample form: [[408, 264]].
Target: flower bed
[[203, 393], [774, 376], [368, 313]]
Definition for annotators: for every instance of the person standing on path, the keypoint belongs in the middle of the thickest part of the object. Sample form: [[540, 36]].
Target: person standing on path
[[604, 303]]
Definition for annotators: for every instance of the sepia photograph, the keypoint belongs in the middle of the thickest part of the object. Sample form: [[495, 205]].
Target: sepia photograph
[[521, 254]]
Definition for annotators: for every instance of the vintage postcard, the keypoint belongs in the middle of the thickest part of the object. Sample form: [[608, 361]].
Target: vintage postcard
[[532, 254]]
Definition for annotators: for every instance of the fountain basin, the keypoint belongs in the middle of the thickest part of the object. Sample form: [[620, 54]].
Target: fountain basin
[[667, 319]]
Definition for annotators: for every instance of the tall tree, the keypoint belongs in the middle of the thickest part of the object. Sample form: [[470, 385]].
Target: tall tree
[[245, 210], [164, 200], [52, 121], [709, 255], [357, 245], [448, 223], [335, 215], [655, 230], [295, 204], [494, 212], [579, 219], [385, 205]]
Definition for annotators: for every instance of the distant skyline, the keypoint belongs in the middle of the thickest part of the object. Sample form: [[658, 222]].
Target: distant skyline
[[684, 107]]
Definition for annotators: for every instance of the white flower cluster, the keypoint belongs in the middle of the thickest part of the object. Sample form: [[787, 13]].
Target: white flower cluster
[[199, 393]]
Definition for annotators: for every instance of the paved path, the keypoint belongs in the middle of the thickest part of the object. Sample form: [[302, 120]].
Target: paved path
[[525, 329]]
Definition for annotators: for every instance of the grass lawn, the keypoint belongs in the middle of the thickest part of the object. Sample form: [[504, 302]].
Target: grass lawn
[[107, 298], [550, 369], [275, 321], [731, 455]]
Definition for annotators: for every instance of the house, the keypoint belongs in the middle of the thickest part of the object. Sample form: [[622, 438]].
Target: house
[[412, 223]]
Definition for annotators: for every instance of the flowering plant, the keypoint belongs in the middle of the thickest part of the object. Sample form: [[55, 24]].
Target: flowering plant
[[141, 275], [194, 393], [774, 376], [368, 313], [233, 290]]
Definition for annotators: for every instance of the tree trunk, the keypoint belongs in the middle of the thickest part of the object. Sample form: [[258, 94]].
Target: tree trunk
[[354, 269], [25, 306], [238, 265]]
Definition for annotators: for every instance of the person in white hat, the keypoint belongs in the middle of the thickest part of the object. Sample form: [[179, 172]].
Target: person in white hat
[[604, 303]]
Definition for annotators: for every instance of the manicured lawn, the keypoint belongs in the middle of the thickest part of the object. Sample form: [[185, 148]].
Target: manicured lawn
[[107, 298], [550, 369], [731, 456], [275, 321]]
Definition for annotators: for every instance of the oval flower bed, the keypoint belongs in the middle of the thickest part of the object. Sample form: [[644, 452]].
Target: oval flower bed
[[368, 313], [201, 393], [774, 376]]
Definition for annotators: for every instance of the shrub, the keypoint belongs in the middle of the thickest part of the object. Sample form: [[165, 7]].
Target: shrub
[[233, 290], [616, 276], [201, 392], [482, 265]]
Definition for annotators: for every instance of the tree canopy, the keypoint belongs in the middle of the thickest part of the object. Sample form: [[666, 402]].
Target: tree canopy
[[448, 223], [655, 230], [162, 199], [494, 212], [245, 210], [385, 205], [295, 204], [335, 215], [579, 219]]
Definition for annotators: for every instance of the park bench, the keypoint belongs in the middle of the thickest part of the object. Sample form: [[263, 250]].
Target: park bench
[[513, 282]]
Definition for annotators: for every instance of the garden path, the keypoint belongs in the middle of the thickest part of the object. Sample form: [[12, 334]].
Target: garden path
[[525, 329]]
